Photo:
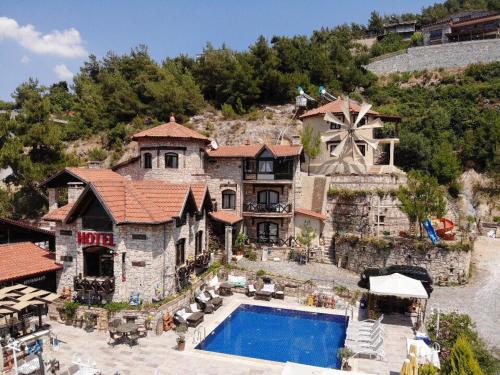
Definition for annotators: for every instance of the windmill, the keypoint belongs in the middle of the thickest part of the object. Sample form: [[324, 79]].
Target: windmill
[[348, 158]]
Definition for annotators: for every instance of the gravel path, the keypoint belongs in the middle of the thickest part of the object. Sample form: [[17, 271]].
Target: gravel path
[[323, 274], [480, 298]]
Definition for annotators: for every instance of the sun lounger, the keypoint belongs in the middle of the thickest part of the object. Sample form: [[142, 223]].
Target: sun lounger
[[251, 290], [365, 346], [266, 293], [191, 319], [362, 338], [376, 351]]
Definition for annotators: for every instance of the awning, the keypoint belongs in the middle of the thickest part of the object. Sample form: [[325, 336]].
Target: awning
[[225, 217], [397, 285]]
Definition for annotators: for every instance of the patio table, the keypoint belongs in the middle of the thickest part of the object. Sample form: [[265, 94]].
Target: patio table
[[225, 289], [126, 328]]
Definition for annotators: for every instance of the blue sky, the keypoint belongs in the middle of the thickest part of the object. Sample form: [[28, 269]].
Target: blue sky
[[63, 33]]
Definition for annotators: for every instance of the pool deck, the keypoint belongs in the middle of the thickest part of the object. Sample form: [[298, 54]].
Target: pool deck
[[157, 354]]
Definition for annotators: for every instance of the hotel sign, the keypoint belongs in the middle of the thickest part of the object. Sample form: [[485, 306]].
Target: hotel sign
[[95, 238]]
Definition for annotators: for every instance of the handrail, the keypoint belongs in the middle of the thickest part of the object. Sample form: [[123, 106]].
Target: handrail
[[198, 336], [268, 207]]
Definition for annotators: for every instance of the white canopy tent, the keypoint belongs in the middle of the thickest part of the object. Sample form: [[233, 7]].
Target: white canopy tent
[[397, 285]]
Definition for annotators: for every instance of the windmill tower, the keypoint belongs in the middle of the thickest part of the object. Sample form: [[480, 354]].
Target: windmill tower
[[349, 137]]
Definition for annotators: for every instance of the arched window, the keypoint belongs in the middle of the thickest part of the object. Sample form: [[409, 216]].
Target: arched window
[[229, 199], [171, 160], [148, 161]]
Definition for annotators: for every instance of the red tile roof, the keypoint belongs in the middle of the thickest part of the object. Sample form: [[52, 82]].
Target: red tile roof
[[310, 213], [336, 107], [251, 151], [170, 130], [58, 214], [24, 259], [94, 174], [85, 175], [226, 217], [147, 201], [25, 225]]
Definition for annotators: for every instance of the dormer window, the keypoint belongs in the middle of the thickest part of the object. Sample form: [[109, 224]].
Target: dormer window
[[171, 160], [148, 160]]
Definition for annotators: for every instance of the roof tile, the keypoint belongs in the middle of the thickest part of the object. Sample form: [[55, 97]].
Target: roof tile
[[251, 151], [170, 130], [24, 259]]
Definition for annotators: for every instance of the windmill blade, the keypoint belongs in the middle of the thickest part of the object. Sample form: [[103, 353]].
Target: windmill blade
[[330, 117], [340, 148], [373, 144], [339, 135], [377, 123], [365, 107], [356, 153], [346, 111]]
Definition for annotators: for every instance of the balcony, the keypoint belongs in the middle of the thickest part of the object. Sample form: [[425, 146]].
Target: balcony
[[273, 209], [274, 241]]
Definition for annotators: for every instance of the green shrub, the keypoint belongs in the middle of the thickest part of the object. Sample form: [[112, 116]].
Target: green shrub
[[260, 273], [269, 115], [254, 115], [496, 219], [462, 359], [428, 369], [453, 325], [228, 112], [118, 306], [70, 308], [97, 154]]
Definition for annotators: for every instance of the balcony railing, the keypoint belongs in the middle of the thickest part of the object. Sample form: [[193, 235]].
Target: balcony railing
[[281, 208], [92, 290], [275, 241], [250, 175]]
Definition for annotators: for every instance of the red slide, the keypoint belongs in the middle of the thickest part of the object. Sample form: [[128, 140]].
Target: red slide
[[446, 230]]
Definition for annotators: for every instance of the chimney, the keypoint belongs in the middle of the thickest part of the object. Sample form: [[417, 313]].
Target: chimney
[[94, 164], [172, 118], [74, 191]]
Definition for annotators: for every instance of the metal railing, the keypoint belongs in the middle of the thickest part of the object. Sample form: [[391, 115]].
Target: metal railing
[[276, 241], [281, 208]]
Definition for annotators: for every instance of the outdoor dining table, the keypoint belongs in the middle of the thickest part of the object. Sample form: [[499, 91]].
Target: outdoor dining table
[[127, 328]]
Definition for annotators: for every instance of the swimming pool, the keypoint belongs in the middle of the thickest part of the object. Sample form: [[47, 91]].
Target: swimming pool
[[279, 335]]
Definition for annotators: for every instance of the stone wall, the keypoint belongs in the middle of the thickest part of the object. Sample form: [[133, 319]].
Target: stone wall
[[446, 266], [451, 55], [190, 162], [225, 173], [140, 265]]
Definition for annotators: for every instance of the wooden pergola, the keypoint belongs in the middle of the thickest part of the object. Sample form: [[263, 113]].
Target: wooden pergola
[[16, 299]]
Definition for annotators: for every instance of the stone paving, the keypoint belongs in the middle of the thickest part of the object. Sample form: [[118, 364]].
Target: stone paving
[[157, 355], [321, 272], [480, 298]]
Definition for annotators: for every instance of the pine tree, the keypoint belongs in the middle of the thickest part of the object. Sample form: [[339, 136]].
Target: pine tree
[[462, 359]]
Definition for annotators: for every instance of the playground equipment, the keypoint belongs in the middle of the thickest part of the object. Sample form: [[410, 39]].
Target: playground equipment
[[446, 229], [430, 231]]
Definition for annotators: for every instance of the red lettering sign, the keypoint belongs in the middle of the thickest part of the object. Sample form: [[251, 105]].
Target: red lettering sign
[[95, 238]]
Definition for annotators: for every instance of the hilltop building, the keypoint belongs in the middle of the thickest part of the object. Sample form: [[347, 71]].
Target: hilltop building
[[463, 26]]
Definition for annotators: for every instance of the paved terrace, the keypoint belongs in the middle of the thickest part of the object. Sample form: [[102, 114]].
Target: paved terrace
[[157, 354]]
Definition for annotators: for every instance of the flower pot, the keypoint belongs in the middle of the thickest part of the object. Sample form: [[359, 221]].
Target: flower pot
[[181, 346]]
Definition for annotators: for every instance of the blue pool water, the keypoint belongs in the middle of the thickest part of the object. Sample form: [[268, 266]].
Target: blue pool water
[[279, 335]]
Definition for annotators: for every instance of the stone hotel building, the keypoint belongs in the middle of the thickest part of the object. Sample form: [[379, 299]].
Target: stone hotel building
[[141, 227]]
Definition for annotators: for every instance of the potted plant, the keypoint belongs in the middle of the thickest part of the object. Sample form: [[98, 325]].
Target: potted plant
[[70, 311], [344, 354], [181, 336], [240, 243]]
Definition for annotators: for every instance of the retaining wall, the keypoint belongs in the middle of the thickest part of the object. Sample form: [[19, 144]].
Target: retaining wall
[[446, 266], [449, 55]]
